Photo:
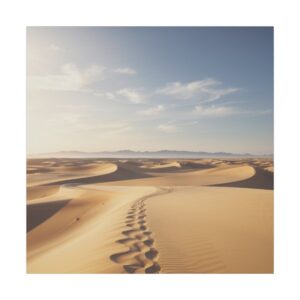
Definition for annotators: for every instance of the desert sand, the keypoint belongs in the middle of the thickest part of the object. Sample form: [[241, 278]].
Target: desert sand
[[150, 215]]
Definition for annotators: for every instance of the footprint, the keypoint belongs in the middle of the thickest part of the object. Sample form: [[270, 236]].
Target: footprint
[[141, 256]]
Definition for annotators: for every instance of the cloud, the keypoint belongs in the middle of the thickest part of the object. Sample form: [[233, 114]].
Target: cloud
[[152, 110], [132, 95], [127, 71], [167, 128], [81, 122], [73, 78], [203, 90], [225, 111], [215, 111], [70, 78]]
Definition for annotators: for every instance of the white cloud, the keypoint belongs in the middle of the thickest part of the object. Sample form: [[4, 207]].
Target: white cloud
[[215, 111], [132, 95], [203, 90], [71, 78], [127, 71], [224, 111], [167, 128], [152, 110], [81, 122]]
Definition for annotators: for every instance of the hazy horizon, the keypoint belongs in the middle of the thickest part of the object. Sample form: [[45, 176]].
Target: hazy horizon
[[213, 154], [145, 89]]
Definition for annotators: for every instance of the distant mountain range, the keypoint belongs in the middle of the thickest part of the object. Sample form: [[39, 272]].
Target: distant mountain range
[[140, 154]]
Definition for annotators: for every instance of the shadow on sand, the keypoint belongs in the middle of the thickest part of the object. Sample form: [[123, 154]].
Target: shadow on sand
[[261, 180], [39, 213], [121, 174]]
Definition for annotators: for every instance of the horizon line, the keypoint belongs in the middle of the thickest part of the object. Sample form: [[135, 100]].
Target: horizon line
[[154, 151]]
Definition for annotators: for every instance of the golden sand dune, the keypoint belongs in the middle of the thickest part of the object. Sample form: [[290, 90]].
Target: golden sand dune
[[71, 171], [82, 236], [261, 179], [208, 176], [214, 230], [118, 216], [41, 191]]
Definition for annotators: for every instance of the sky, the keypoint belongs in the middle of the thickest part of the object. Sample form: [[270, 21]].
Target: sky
[[107, 89]]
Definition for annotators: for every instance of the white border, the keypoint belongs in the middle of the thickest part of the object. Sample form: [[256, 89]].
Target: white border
[[15, 15]]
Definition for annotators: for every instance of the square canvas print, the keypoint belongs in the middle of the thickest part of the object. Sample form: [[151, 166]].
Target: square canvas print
[[150, 150]]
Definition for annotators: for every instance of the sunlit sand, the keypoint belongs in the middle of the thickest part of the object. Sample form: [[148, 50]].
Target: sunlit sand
[[150, 216]]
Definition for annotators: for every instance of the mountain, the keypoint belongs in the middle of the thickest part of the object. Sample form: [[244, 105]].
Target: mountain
[[139, 154]]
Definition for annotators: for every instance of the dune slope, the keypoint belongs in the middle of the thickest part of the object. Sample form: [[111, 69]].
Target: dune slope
[[213, 230]]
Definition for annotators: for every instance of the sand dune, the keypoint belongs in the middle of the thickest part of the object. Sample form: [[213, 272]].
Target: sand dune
[[209, 176], [214, 230], [140, 216], [82, 236], [40, 191], [61, 172], [40, 212], [121, 172], [262, 179], [39, 209]]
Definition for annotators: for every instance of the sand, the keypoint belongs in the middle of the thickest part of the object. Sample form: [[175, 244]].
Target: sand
[[150, 216], [221, 230]]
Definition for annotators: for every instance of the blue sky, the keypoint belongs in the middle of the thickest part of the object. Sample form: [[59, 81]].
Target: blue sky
[[93, 89]]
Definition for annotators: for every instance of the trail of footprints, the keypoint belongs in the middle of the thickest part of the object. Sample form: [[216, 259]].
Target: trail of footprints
[[142, 255]]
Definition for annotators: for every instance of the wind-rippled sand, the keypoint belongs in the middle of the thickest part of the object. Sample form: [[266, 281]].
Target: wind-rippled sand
[[150, 216]]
